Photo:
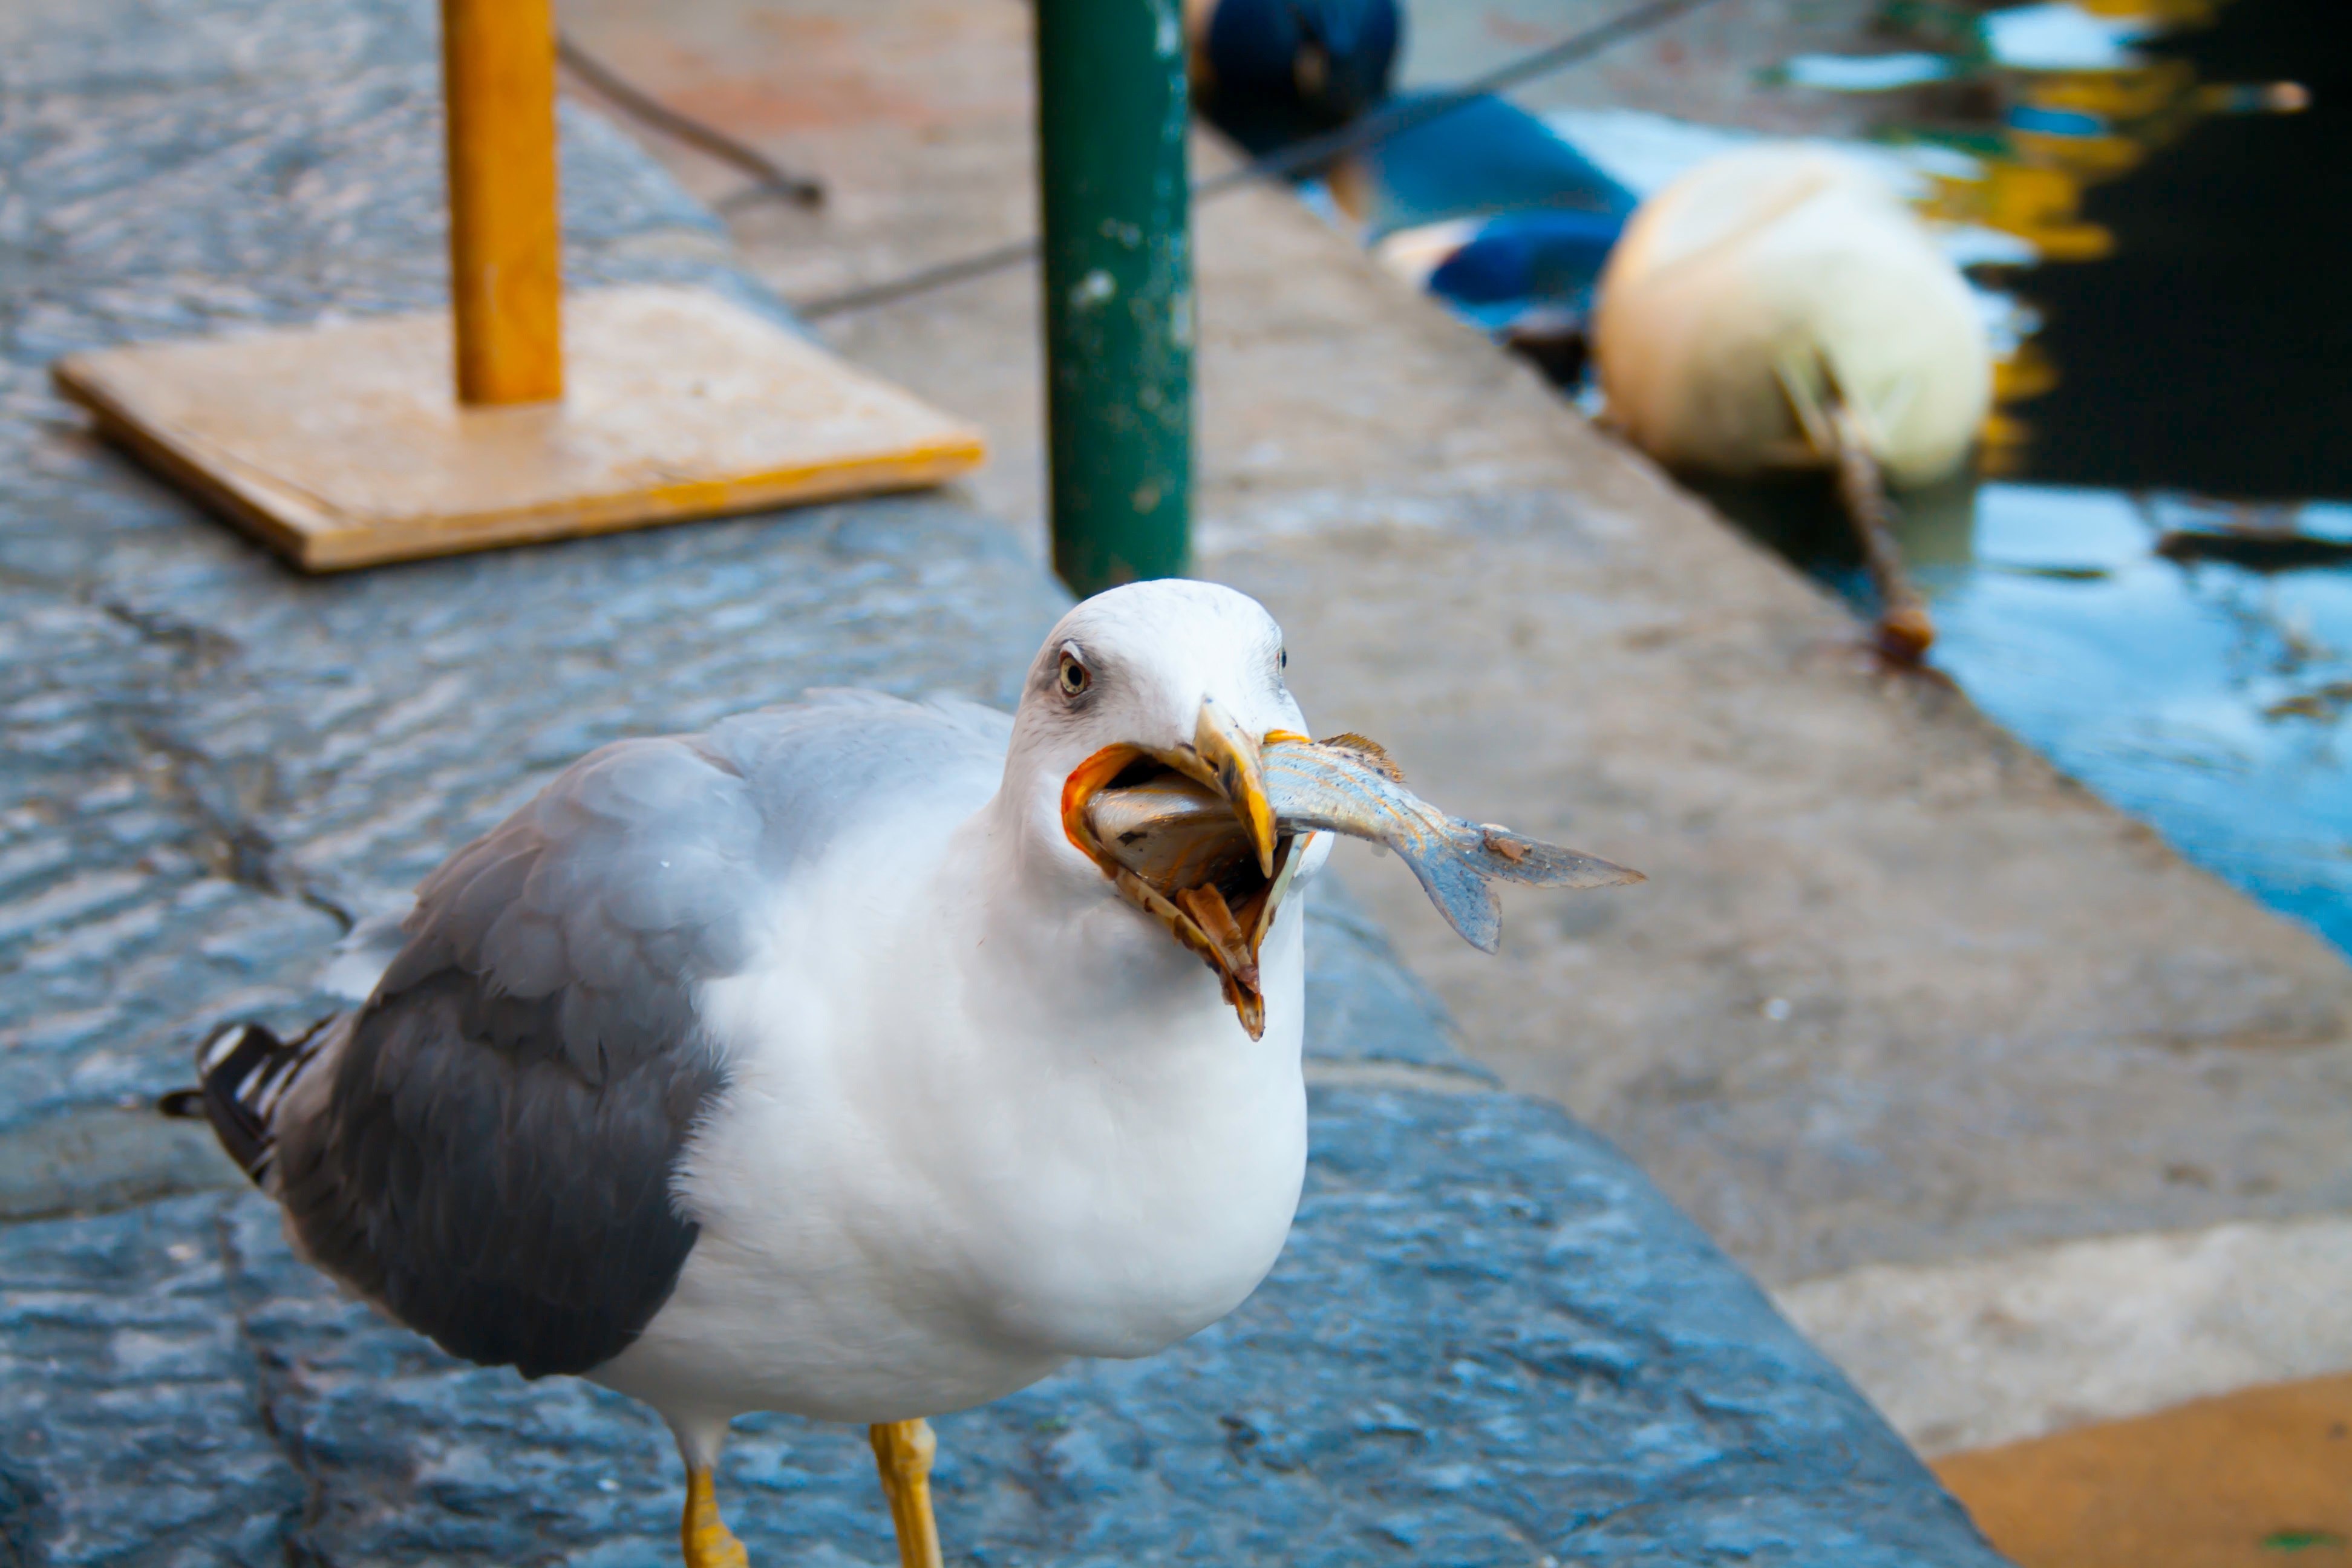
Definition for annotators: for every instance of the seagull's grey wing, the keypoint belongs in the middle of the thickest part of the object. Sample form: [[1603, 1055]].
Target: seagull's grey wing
[[490, 1157]]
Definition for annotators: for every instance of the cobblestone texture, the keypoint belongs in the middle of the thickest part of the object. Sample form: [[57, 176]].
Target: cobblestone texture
[[1490, 1342]]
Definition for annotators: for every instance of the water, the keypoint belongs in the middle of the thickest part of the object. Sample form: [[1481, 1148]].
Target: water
[[2207, 354], [2212, 701], [2167, 264], [2212, 350]]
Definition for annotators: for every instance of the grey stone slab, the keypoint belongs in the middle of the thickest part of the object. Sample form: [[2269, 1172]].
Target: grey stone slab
[[182, 167], [1363, 1006], [1489, 1342], [135, 1433], [97, 1158]]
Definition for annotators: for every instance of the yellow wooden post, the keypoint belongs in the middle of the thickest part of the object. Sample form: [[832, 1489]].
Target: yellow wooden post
[[506, 242], [341, 445]]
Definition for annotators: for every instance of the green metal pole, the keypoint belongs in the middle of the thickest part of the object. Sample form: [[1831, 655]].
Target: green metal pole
[[1111, 113]]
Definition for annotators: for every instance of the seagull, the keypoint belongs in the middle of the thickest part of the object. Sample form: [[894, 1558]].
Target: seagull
[[813, 1063]]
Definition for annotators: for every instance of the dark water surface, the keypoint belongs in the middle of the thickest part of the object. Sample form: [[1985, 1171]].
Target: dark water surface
[[2212, 352], [2203, 378]]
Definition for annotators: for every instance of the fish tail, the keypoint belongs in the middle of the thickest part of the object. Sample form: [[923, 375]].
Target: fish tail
[[1495, 850], [1462, 894]]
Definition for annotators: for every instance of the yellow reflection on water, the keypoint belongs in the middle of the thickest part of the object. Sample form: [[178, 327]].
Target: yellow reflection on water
[[2167, 14], [2039, 205], [2066, 131]]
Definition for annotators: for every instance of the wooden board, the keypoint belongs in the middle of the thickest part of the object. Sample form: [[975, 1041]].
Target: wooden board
[[344, 447], [2254, 1479]]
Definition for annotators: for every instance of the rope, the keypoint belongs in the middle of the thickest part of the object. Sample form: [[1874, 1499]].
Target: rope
[[1905, 629], [773, 179], [1298, 158]]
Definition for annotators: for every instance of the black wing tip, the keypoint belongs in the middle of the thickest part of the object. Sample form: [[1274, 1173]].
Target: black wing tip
[[243, 1069], [230, 1062]]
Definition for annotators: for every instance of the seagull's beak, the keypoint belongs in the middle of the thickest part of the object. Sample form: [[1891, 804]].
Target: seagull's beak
[[1218, 889], [1234, 769]]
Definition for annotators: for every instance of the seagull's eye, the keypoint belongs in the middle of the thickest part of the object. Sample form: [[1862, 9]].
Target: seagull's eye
[[1074, 676], [1282, 659]]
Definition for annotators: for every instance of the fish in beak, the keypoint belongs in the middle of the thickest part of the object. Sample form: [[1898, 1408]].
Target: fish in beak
[[1206, 837], [1218, 891]]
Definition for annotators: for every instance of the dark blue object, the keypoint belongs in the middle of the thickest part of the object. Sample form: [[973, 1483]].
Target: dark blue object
[[1282, 69], [1550, 215], [1486, 155], [1554, 256]]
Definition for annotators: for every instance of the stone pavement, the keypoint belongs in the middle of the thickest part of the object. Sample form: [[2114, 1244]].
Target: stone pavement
[[1491, 1339], [1490, 1342]]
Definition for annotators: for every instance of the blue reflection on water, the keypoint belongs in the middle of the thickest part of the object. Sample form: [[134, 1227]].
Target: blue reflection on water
[[2213, 701]]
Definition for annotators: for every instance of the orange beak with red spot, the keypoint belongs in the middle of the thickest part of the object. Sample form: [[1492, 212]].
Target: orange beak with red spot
[[1219, 902]]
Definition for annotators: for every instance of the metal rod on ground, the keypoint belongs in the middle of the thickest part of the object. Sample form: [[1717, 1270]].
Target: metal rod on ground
[[1905, 628], [1111, 116], [506, 242]]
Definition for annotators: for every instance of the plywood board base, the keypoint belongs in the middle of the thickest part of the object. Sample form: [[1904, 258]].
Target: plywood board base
[[343, 446]]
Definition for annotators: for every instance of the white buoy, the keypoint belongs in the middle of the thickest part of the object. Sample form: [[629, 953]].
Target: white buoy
[[1762, 287]]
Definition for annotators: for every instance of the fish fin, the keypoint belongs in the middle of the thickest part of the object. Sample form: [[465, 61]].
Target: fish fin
[[1457, 889], [1496, 851], [1476, 915], [1373, 754]]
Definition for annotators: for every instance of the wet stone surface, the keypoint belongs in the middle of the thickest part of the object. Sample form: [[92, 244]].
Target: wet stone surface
[[1490, 1340]]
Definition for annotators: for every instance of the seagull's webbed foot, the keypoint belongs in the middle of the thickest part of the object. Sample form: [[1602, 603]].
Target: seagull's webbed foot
[[708, 1542], [903, 1452]]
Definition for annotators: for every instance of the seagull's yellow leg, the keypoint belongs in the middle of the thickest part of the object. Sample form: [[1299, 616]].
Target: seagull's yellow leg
[[707, 1542], [902, 1452]]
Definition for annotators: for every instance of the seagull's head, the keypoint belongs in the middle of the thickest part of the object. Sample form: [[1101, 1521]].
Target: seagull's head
[[1180, 684]]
